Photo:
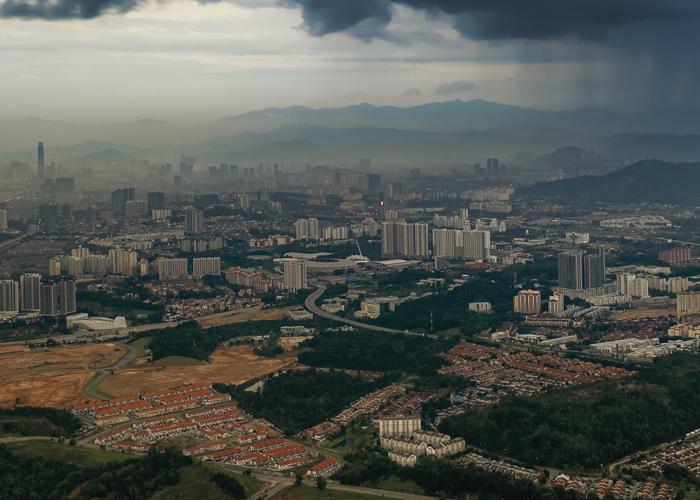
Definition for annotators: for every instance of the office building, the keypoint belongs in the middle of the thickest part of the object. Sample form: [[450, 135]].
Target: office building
[[400, 239], [457, 243], [155, 201], [119, 199], [527, 302], [492, 167], [171, 268], [40, 167], [9, 296], [65, 188], [295, 275], [29, 287], [307, 229], [194, 220], [206, 266], [3, 219]]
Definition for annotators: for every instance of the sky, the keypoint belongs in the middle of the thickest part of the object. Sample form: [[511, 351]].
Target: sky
[[182, 60]]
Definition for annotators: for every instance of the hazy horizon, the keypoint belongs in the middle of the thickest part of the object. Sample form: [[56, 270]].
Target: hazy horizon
[[120, 60]]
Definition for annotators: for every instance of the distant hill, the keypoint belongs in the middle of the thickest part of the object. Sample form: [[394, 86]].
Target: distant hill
[[644, 181]]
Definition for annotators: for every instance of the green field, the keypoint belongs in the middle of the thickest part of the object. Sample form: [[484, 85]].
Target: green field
[[311, 493], [195, 485], [400, 484], [53, 450]]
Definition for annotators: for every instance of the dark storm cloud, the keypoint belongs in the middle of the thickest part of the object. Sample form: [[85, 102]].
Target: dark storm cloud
[[362, 18], [64, 9], [498, 19]]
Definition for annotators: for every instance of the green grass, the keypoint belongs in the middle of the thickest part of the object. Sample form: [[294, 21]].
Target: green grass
[[176, 361], [398, 484], [78, 455], [311, 493], [195, 485]]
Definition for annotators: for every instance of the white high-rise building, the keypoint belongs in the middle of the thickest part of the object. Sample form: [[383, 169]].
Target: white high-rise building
[[629, 284], [461, 244], [400, 239], [527, 302], [29, 285], [75, 265], [95, 265], [171, 268], [295, 275], [206, 266], [307, 229], [81, 252], [9, 296], [122, 262], [555, 304], [55, 266]]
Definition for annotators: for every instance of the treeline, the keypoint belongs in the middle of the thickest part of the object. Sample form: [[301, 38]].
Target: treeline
[[31, 421], [192, 341], [441, 478], [374, 351], [589, 426], [297, 400], [449, 309], [39, 478]]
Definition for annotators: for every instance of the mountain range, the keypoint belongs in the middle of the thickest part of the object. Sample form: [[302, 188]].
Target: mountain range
[[645, 181], [440, 133]]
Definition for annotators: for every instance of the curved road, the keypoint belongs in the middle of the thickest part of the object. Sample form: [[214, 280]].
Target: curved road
[[310, 304], [91, 388]]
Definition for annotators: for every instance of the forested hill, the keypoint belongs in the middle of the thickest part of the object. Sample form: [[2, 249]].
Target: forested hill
[[644, 181]]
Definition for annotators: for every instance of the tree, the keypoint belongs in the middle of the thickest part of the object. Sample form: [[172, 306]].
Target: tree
[[298, 479], [320, 483]]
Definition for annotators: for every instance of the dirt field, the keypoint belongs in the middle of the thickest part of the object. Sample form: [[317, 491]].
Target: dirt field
[[247, 315], [644, 313], [230, 365], [51, 377]]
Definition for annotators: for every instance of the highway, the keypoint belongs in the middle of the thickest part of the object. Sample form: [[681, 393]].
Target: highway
[[310, 304], [277, 482]]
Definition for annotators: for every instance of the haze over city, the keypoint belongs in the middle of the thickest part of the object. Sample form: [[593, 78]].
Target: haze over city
[[349, 249]]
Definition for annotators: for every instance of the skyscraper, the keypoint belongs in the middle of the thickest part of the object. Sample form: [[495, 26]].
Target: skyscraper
[[194, 220], [461, 244], [400, 239], [570, 270], [577, 270], [3, 219], [295, 275], [29, 286], [119, 199], [66, 297], [155, 201], [50, 300], [9, 296], [40, 168]]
